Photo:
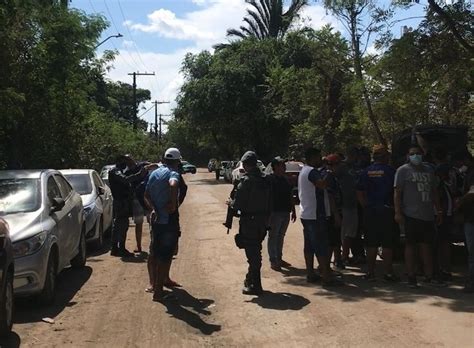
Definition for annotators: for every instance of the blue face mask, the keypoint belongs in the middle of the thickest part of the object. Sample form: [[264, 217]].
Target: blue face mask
[[415, 159]]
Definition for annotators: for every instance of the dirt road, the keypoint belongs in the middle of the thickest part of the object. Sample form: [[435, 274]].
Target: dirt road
[[105, 305]]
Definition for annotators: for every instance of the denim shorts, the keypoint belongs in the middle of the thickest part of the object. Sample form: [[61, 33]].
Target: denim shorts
[[316, 239], [164, 241]]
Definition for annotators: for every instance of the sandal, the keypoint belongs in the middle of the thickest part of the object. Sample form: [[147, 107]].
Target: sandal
[[149, 289]]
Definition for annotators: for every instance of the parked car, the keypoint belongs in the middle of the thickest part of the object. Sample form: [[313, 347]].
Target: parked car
[[211, 166], [104, 173], [223, 166], [293, 169], [239, 170], [228, 171], [6, 279], [97, 201], [188, 167], [47, 229]]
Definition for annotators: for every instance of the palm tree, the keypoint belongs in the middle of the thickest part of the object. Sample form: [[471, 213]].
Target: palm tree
[[266, 19]]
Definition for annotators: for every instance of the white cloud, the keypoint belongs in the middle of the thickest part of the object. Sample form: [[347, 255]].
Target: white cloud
[[204, 27]]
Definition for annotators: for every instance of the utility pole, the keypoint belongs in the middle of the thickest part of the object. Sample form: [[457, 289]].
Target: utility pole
[[156, 117], [161, 121], [135, 106]]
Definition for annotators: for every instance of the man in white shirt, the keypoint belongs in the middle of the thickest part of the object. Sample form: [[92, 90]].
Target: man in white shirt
[[315, 210]]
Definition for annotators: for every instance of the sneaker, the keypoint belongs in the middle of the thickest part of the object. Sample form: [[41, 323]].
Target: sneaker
[[370, 277], [412, 283], [391, 278], [275, 266], [285, 264], [434, 282], [115, 252], [313, 278], [340, 265]]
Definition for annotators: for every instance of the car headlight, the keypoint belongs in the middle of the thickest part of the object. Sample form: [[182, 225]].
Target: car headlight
[[29, 246]]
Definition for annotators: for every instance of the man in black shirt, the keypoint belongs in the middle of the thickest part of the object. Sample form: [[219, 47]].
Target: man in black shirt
[[283, 205]]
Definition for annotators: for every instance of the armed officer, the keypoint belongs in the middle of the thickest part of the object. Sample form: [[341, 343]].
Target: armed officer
[[252, 200]]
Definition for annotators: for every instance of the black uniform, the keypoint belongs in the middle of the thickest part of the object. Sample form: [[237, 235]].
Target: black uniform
[[253, 201], [123, 198]]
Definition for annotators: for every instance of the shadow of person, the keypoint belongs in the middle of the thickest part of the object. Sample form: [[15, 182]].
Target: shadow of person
[[69, 282], [293, 272], [12, 340], [281, 301], [177, 309]]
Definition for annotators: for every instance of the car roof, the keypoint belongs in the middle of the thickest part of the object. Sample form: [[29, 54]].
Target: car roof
[[76, 171], [24, 173]]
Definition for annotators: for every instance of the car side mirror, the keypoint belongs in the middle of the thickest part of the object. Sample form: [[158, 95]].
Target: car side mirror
[[100, 190], [57, 204]]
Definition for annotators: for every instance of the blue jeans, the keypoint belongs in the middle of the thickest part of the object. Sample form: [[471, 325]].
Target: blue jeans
[[469, 232], [279, 222], [316, 238]]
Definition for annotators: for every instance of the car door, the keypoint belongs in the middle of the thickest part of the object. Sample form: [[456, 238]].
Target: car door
[[106, 199], [101, 198], [73, 217], [60, 217]]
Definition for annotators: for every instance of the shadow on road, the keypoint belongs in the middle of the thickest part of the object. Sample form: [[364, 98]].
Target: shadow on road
[[179, 310], [208, 182], [281, 301], [357, 289], [69, 282], [11, 341]]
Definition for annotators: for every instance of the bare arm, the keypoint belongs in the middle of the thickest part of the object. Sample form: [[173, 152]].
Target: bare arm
[[173, 203], [397, 200], [362, 198], [147, 200]]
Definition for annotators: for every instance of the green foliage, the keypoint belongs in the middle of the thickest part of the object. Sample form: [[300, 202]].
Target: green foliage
[[57, 110]]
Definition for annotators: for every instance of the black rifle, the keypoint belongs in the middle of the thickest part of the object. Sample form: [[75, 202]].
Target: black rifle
[[230, 211]]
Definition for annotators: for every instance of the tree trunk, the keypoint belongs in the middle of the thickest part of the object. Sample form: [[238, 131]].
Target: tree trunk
[[355, 40]]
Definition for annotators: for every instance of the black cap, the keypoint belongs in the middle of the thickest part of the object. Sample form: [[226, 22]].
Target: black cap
[[249, 157], [277, 160]]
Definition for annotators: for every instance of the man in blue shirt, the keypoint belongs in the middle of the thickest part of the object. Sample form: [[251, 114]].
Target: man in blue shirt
[[161, 196], [375, 193]]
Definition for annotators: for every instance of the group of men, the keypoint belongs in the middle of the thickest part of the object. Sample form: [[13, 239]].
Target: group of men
[[155, 191], [342, 198]]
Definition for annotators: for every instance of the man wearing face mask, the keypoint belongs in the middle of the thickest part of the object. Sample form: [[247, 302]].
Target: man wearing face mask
[[416, 200]]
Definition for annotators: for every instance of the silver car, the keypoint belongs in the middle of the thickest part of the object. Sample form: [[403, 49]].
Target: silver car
[[97, 200], [47, 228]]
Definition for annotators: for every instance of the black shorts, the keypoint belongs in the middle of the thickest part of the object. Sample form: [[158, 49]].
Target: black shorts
[[419, 231], [334, 233], [164, 241], [380, 228]]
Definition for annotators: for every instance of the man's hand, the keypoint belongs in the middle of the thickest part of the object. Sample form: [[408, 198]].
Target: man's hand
[[399, 218], [293, 216]]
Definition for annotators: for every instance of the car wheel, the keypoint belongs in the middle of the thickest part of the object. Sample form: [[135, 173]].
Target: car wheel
[[80, 259], [49, 289], [99, 242], [6, 310]]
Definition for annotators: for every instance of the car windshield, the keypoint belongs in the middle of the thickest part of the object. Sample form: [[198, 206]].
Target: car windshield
[[19, 196], [81, 183]]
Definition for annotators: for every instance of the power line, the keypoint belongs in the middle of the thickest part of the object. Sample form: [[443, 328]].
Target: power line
[[151, 107]]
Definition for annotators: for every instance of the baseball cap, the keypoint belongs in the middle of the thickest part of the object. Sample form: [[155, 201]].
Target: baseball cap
[[249, 157], [333, 158], [173, 154], [277, 160]]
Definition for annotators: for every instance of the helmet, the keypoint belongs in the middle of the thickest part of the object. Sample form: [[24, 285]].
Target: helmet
[[173, 154]]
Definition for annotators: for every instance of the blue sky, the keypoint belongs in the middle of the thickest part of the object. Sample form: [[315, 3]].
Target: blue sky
[[158, 33]]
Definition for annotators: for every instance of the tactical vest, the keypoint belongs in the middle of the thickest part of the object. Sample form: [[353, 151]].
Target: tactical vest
[[259, 202]]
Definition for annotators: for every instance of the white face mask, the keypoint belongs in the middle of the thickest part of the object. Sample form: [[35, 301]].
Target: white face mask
[[415, 159], [463, 169]]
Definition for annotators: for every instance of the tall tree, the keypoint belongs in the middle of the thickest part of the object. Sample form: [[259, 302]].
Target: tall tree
[[267, 19]]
